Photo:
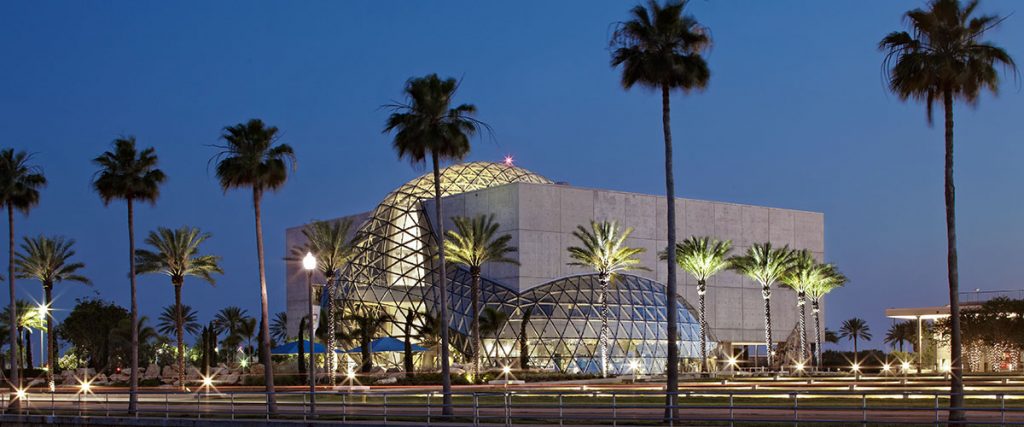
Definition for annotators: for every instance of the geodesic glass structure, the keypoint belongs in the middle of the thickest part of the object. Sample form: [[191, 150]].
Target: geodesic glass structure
[[395, 268]]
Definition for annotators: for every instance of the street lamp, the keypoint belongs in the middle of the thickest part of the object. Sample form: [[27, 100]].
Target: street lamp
[[309, 263]]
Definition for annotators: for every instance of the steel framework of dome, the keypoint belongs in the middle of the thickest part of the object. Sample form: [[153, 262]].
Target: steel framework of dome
[[395, 267]]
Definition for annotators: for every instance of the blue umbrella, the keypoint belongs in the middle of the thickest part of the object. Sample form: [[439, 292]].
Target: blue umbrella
[[293, 348], [385, 345]]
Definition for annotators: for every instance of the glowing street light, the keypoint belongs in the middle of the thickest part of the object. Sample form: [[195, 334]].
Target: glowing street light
[[309, 263], [906, 366]]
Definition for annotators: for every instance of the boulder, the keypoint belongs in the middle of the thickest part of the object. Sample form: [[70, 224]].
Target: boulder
[[193, 375], [100, 379], [230, 378], [169, 372], [256, 369], [85, 372], [388, 380], [153, 371]]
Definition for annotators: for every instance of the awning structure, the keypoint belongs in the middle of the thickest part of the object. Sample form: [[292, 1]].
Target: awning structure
[[387, 345]]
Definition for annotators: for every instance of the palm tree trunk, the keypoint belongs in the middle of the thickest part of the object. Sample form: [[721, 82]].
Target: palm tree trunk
[[329, 351], [816, 310], [602, 303], [407, 356], [801, 302], [672, 388], [179, 323], [364, 352], [268, 367], [702, 288], [133, 378], [21, 346], [524, 350], [475, 321], [15, 375], [766, 294], [956, 384], [855, 352], [51, 342], [28, 348], [442, 289]]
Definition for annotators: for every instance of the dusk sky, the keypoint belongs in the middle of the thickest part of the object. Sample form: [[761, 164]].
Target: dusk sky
[[797, 115]]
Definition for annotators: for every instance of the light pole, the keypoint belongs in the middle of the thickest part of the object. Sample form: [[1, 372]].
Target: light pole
[[309, 263]]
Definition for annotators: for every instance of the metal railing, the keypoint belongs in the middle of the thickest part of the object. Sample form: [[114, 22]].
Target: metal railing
[[573, 407]]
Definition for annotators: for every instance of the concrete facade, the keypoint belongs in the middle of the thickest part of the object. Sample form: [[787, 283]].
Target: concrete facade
[[541, 217]]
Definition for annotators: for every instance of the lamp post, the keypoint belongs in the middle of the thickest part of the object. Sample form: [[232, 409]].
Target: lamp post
[[309, 263]]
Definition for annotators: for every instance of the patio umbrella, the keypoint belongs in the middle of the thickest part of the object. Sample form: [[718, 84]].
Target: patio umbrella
[[293, 348], [386, 345]]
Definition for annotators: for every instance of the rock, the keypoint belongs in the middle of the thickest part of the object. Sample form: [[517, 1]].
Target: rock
[[457, 371], [256, 369], [388, 380], [85, 372], [152, 372], [100, 379], [37, 381], [230, 378], [169, 372]]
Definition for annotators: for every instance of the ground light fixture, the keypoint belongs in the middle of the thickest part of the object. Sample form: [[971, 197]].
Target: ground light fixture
[[21, 394], [85, 386]]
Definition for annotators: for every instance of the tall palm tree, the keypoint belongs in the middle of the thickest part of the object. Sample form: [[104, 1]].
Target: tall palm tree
[[48, 260], [176, 255], [900, 332], [131, 175], [805, 272], [702, 257], [229, 320], [603, 249], [829, 280], [428, 124], [853, 330], [473, 243], [329, 241], [660, 47], [167, 323], [20, 183], [279, 327], [491, 322], [765, 265], [943, 57], [253, 158]]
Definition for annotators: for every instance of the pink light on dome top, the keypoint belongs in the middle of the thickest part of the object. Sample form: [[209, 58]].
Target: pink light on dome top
[[508, 160]]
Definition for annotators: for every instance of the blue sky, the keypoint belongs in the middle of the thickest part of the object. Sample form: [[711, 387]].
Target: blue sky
[[796, 116]]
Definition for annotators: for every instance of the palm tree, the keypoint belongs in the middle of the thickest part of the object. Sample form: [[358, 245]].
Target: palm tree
[[253, 158], [604, 250], [48, 260], [943, 57], [805, 272], [660, 48], [900, 332], [765, 265], [128, 174], [279, 327], [329, 241], [427, 124], [20, 183], [247, 331], [702, 257], [176, 254], [472, 244], [853, 330], [167, 323], [28, 318], [229, 320], [524, 353], [491, 322], [829, 280], [365, 325]]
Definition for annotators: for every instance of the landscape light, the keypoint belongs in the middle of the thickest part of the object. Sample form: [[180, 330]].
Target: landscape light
[[21, 394], [85, 387], [732, 361], [906, 366], [309, 261], [886, 367], [508, 160], [207, 381], [506, 370], [800, 366], [855, 367], [634, 365], [351, 374]]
